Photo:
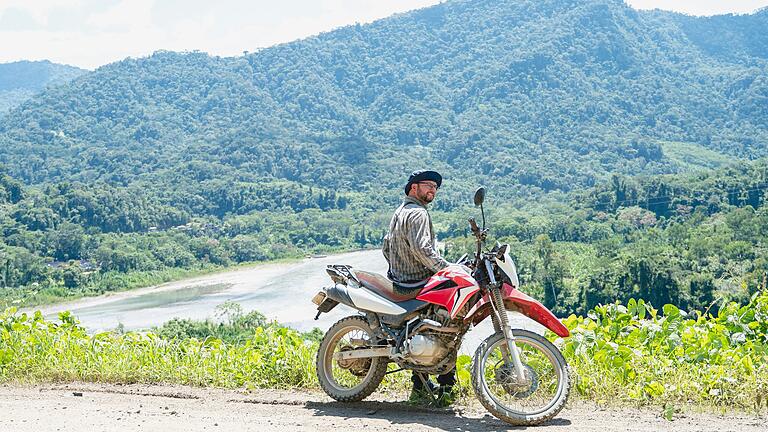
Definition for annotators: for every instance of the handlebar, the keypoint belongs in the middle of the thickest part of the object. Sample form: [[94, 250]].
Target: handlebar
[[473, 226], [480, 234]]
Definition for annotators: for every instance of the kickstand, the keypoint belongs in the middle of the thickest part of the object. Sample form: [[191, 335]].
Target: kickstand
[[425, 384]]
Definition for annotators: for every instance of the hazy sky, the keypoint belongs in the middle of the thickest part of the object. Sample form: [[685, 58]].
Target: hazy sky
[[91, 33]]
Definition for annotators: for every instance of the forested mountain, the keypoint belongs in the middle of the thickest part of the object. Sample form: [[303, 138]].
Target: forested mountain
[[21, 80], [181, 160], [541, 94]]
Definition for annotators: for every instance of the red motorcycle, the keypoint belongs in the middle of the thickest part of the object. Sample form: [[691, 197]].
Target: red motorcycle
[[519, 376]]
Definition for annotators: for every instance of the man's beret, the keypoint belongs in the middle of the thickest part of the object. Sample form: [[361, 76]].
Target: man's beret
[[423, 175]]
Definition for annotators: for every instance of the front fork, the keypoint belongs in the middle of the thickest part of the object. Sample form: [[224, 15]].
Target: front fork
[[501, 325]]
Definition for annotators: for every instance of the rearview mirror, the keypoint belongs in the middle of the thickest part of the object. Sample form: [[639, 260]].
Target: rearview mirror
[[479, 196]]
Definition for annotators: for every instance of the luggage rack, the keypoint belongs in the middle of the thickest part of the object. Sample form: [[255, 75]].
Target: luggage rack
[[341, 273]]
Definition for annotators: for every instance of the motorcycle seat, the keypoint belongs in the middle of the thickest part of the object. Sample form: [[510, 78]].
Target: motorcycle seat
[[383, 286]]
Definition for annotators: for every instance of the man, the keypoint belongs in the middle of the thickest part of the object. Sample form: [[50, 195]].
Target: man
[[410, 249]]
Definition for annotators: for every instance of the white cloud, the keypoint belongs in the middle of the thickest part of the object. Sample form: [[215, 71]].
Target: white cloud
[[101, 31], [38, 9], [128, 15]]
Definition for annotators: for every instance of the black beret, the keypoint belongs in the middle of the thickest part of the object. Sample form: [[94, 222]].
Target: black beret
[[423, 175]]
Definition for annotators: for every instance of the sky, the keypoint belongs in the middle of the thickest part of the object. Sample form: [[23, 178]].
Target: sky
[[91, 33]]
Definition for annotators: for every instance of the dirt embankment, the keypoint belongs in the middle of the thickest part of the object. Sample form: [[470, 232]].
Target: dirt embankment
[[95, 407]]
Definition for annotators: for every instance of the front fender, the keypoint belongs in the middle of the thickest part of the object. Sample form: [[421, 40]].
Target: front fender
[[516, 300]]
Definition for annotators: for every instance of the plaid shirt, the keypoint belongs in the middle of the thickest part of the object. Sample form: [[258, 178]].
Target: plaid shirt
[[409, 247]]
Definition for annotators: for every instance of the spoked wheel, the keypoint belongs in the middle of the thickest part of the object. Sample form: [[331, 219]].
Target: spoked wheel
[[349, 380], [542, 393]]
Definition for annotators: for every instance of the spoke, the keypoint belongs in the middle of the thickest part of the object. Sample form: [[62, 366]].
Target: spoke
[[347, 374], [542, 378]]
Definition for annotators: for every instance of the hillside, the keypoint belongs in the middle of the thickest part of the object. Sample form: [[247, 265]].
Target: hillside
[[691, 240], [540, 95], [20, 81]]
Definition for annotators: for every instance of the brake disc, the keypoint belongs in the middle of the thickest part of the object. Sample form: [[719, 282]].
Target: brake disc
[[356, 366]]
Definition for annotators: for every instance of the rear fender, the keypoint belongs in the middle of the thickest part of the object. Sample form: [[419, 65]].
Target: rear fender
[[515, 300]]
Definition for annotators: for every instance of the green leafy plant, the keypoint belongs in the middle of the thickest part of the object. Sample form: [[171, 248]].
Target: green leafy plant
[[629, 354], [634, 354]]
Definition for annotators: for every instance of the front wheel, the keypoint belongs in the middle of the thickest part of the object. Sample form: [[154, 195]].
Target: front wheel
[[539, 397], [354, 379]]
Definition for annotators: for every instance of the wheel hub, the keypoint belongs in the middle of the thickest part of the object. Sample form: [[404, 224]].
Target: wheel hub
[[356, 366], [506, 377]]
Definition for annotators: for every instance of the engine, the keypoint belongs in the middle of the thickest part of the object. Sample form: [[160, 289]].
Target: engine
[[426, 349], [440, 315], [432, 337]]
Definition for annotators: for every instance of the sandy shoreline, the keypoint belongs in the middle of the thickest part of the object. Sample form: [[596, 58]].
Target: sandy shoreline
[[282, 291], [254, 272]]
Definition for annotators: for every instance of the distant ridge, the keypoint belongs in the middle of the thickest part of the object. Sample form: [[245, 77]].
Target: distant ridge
[[21, 80]]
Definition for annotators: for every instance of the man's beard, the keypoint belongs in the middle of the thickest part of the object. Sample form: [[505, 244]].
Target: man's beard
[[426, 197]]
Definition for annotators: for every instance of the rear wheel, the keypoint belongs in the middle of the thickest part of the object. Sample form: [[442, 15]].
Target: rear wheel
[[540, 396], [349, 380]]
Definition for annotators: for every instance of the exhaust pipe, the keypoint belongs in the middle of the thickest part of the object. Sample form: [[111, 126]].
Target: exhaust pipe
[[338, 292]]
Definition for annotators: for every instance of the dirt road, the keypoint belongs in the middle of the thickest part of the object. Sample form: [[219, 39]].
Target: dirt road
[[93, 407]]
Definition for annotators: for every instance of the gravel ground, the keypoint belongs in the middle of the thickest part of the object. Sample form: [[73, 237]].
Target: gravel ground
[[103, 407]]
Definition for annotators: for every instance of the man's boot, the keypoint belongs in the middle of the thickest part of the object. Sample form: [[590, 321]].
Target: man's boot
[[420, 394], [447, 392]]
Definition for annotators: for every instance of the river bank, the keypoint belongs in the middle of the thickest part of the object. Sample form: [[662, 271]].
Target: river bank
[[281, 291], [209, 278]]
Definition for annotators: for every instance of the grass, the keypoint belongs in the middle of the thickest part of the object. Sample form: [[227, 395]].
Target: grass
[[619, 355], [35, 350]]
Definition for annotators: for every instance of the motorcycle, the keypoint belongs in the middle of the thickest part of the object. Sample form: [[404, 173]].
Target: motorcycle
[[518, 375]]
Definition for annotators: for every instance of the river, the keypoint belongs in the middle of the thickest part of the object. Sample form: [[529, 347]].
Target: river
[[281, 291]]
